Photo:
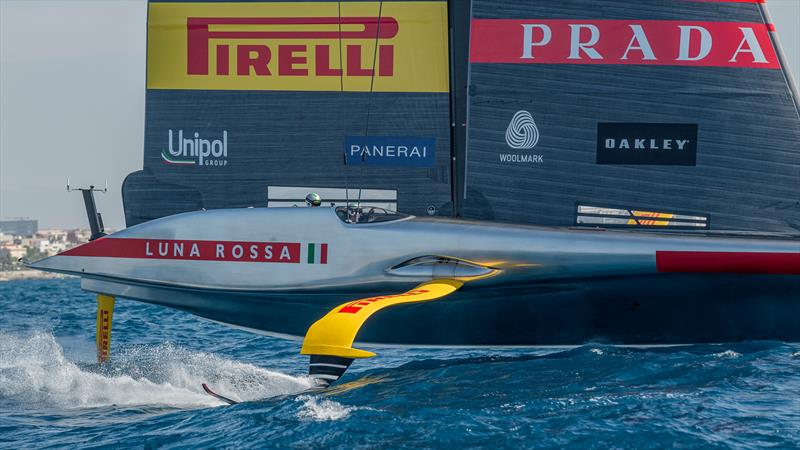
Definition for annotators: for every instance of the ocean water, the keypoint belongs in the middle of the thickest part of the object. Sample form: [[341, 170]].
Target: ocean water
[[53, 395]]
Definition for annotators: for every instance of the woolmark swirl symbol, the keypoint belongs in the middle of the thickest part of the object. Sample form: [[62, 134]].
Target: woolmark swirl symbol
[[522, 133]]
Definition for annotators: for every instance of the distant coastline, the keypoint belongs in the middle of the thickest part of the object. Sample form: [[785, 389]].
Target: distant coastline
[[28, 274]]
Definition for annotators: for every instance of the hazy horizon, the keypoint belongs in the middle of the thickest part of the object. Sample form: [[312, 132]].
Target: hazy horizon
[[72, 92]]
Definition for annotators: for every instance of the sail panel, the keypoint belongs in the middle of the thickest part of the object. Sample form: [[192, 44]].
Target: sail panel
[[246, 95], [585, 85]]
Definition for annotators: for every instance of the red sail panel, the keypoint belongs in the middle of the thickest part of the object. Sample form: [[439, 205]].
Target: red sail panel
[[640, 42]]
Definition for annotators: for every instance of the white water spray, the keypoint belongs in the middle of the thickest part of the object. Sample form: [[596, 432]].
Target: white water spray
[[33, 369]]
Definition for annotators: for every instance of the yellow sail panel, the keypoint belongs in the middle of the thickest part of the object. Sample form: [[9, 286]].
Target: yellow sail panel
[[297, 46], [105, 313], [334, 334]]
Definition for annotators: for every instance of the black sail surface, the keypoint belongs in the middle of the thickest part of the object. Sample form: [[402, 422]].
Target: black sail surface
[[743, 171], [289, 129]]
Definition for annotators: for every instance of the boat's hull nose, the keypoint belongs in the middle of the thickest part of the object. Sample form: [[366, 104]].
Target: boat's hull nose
[[64, 262], [57, 263]]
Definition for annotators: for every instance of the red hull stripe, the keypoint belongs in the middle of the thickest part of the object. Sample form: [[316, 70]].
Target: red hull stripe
[[728, 1], [323, 257], [549, 41], [277, 252], [728, 262]]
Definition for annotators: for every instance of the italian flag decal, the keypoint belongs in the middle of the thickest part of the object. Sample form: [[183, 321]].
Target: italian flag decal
[[317, 254]]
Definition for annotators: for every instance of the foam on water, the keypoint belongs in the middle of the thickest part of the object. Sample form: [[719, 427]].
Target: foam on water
[[34, 370], [728, 354], [322, 410]]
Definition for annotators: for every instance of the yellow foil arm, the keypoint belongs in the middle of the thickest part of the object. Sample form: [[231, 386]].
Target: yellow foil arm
[[105, 313], [333, 335]]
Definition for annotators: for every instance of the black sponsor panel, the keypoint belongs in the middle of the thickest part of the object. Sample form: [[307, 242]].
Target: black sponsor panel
[[222, 149], [666, 144]]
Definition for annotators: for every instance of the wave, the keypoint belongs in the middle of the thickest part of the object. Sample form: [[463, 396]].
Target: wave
[[34, 370], [316, 409]]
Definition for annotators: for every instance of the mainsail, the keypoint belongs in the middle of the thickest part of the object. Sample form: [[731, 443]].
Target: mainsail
[[660, 105], [513, 111], [244, 97]]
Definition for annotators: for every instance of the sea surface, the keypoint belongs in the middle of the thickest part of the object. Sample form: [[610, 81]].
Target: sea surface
[[53, 395]]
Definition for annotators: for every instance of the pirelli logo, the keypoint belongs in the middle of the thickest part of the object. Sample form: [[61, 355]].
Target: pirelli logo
[[308, 46], [292, 59], [356, 306]]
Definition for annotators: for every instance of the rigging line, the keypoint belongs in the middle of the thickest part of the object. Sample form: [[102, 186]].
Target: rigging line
[[341, 116], [369, 99]]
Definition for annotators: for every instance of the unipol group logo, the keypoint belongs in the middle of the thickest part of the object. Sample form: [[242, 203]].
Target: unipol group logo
[[193, 149], [522, 133]]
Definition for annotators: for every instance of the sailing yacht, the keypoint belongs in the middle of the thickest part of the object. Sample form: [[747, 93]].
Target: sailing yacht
[[508, 173]]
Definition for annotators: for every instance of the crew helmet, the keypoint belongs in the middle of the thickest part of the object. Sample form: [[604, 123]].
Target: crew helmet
[[313, 199]]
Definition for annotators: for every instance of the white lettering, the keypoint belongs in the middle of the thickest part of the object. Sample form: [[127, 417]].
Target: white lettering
[[685, 41], [527, 39], [217, 148], [576, 45], [203, 148], [220, 250], [195, 251], [177, 249], [533, 159], [237, 251], [753, 47], [188, 146], [285, 253], [642, 44], [681, 143], [163, 249], [147, 250], [268, 251], [253, 251], [175, 152]]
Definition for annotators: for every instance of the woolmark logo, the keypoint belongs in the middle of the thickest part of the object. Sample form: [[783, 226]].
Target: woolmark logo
[[195, 150], [522, 133]]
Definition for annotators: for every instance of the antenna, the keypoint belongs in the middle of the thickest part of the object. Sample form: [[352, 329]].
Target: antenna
[[369, 99], [341, 116], [95, 219]]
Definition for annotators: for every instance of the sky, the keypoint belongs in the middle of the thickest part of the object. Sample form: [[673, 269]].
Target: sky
[[72, 83]]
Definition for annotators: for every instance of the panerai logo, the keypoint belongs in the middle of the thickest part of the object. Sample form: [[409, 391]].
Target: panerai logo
[[522, 134], [193, 149]]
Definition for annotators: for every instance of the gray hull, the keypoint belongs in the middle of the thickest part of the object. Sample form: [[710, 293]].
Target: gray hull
[[644, 310], [278, 270]]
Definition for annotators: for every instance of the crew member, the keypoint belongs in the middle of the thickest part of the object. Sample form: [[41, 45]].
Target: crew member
[[313, 199]]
